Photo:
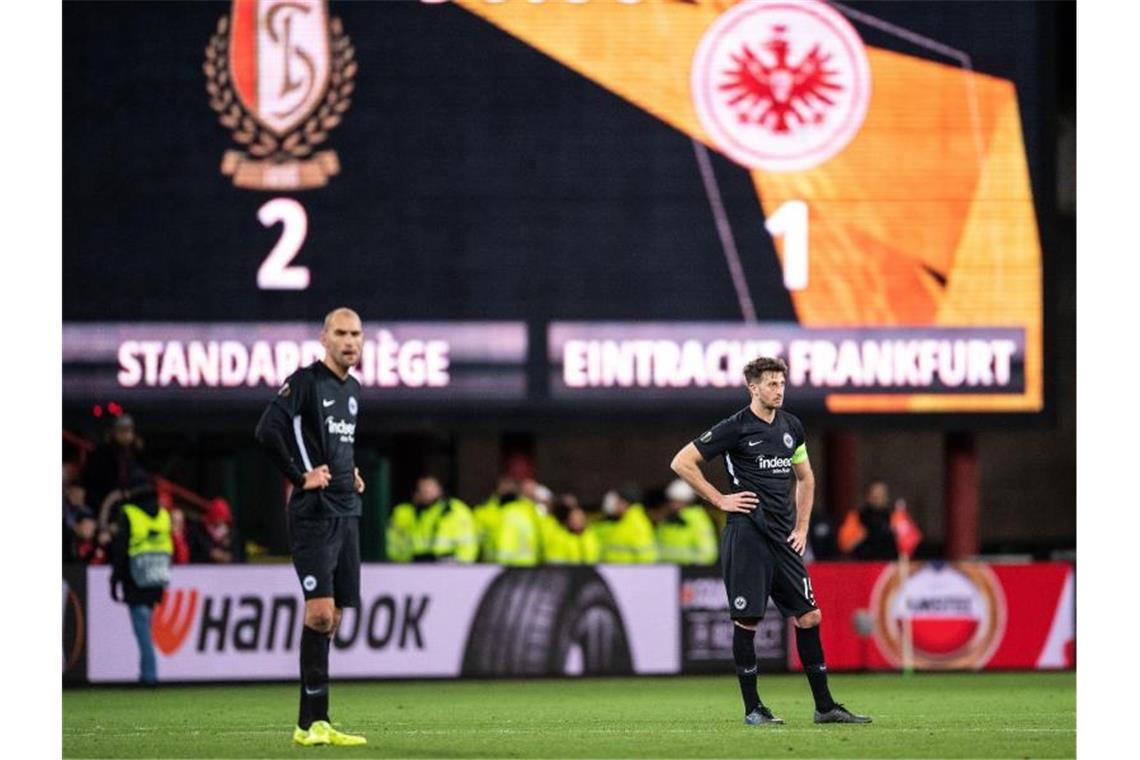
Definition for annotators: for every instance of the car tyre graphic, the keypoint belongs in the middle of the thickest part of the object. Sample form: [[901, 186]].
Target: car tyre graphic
[[547, 621]]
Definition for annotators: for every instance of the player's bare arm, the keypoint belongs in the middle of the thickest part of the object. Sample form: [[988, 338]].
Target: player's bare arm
[[357, 481], [805, 495], [687, 464]]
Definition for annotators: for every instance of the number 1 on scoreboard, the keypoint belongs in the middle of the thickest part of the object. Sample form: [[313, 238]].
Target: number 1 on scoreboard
[[790, 221]]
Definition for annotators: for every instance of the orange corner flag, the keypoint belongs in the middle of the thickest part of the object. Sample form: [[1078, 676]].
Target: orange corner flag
[[851, 532], [907, 534]]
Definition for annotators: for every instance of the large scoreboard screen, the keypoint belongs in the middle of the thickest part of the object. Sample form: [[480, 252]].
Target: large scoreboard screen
[[571, 204]]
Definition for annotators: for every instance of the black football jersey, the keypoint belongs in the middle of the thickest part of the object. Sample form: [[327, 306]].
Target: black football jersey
[[758, 457], [321, 411]]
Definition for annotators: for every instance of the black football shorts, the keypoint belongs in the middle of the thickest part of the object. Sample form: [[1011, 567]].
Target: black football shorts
[[755, 567], [326, 556]]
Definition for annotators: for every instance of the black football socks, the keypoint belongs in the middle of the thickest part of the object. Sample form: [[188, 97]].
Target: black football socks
[[811, 655], [314, 677], [744, 654]]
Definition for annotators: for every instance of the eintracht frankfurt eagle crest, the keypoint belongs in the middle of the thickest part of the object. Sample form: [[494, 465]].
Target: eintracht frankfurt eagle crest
[[280, 75], [781, 85]]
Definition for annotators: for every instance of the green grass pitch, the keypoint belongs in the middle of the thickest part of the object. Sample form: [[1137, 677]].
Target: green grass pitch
[[1015, 715]]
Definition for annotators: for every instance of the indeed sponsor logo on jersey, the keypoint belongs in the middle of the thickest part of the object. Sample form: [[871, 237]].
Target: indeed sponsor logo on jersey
[[345, 429], [777, 465]]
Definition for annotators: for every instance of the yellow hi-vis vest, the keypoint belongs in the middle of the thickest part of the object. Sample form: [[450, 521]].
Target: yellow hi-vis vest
[[150, 547], [518, 541], [560, 546], [488, 515], [440, 531], [688, 537], [630, 539]]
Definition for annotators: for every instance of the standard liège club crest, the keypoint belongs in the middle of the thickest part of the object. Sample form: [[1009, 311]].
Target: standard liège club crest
[[280, 75]]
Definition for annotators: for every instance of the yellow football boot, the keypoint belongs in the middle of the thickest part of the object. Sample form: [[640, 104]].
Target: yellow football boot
[[316, 735], [338, 738]]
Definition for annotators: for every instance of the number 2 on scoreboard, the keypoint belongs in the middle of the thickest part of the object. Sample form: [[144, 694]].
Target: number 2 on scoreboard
[[275, 273]]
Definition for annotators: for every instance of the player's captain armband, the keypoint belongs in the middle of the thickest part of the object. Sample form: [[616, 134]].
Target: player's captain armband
[[800, 454]]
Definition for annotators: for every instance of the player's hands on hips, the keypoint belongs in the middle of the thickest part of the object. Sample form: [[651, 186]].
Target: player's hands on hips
[[741, 501], [357, 481], [317, 478], [798, 540]]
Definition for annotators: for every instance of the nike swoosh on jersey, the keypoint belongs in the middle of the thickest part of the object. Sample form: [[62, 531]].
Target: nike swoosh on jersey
[[328, 403], [756, 443]]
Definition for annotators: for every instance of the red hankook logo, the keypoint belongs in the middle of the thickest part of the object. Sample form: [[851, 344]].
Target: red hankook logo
[[173, 619], [781, 85]]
